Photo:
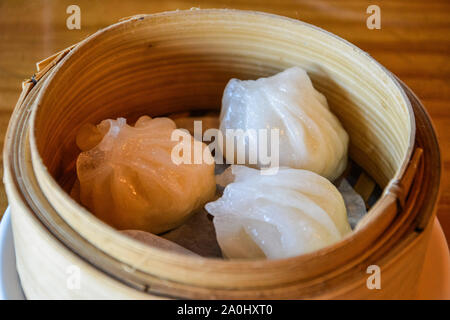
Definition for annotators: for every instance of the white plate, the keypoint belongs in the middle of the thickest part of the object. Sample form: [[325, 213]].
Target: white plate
[[9, 279]]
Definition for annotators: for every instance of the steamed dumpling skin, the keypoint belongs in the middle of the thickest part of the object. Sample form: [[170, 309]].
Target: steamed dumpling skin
[[276, 216], [311, 137], [128, 179]]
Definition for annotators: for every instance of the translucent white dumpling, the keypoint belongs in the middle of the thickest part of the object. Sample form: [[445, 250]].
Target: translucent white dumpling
[[277, 216], [128, 179], [311, 137]]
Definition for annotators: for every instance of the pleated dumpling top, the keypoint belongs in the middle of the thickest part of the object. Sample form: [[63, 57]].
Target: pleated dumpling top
[[276, 216], [310, 135], [128, 177]]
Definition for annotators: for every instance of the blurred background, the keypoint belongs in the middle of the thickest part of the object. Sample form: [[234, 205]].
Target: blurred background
[[413, 42]]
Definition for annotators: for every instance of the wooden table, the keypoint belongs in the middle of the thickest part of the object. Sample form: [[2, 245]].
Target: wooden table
[[413, 42]]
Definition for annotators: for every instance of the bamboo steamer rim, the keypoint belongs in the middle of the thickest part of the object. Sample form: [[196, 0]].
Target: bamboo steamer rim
[[193, 263], [428, 180]]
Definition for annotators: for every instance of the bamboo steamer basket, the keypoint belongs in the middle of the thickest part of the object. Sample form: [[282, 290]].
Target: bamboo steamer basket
[[177, 61]]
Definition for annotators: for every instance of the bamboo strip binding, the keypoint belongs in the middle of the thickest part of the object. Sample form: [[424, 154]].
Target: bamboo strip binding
[[170, 275]]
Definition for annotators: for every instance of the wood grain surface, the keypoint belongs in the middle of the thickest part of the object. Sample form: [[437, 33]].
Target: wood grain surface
[[413, 42]]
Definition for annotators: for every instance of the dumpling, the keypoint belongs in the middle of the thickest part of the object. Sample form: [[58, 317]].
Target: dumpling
[[157, 241], [128, 178], [310, 136], [276, 216]]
